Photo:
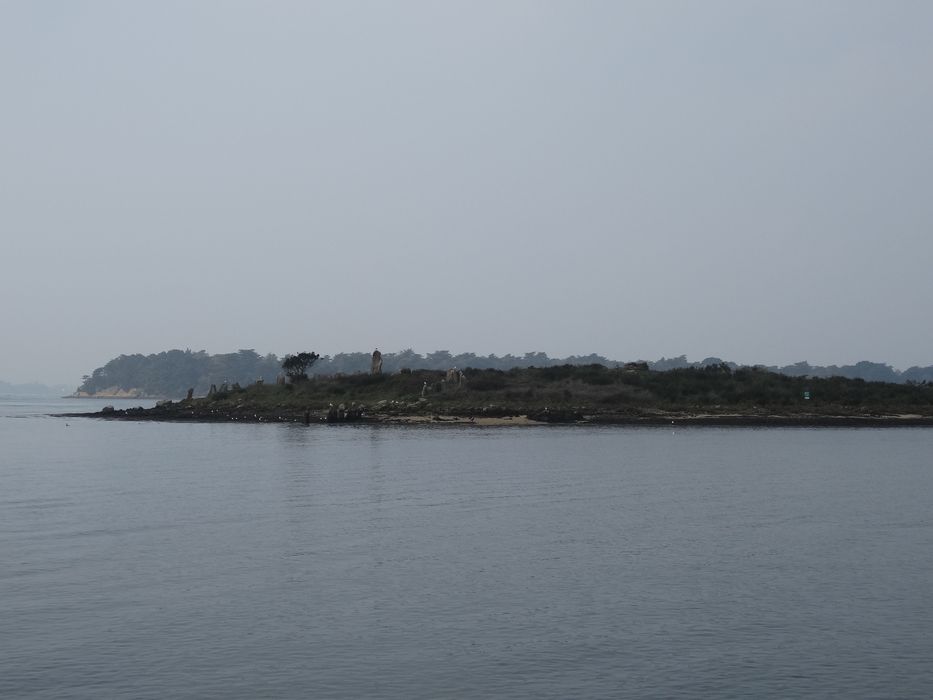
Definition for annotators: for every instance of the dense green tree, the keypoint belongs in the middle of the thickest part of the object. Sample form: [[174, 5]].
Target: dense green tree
[[296, 366]]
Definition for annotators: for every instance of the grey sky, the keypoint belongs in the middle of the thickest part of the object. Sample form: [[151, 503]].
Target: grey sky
[[752, 180]]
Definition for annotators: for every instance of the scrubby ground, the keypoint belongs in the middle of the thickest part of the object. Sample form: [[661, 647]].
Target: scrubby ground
[[591, 393]]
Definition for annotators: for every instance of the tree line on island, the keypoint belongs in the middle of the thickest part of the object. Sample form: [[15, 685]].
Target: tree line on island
[[172, 373]]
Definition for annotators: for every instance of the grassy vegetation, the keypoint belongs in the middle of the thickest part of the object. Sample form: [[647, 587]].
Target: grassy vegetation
[[568, 392]]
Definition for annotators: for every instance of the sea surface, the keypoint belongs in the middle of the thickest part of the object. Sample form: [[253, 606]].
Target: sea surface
[[160, 560]]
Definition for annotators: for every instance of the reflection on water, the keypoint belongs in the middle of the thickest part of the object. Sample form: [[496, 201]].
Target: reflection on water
[[186, 560]]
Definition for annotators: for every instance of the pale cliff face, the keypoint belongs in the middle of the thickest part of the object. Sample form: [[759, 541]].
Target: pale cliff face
[[111, 393]]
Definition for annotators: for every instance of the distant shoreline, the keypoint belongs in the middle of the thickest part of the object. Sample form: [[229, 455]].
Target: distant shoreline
[[110, 397]]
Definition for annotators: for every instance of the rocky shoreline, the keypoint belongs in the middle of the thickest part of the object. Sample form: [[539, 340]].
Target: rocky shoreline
[[196, 412]]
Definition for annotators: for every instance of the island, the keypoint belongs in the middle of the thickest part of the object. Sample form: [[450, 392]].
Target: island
[[629, 394]]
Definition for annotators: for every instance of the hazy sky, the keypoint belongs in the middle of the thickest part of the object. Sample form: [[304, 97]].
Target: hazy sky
[[751, 180]]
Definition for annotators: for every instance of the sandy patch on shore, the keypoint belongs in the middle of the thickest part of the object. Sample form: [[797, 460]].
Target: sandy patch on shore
[[461, 420]]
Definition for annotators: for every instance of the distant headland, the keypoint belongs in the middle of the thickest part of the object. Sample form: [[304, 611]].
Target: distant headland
[[32, 390]]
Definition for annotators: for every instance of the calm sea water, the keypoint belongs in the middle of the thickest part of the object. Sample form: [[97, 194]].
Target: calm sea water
[[146, 560]]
